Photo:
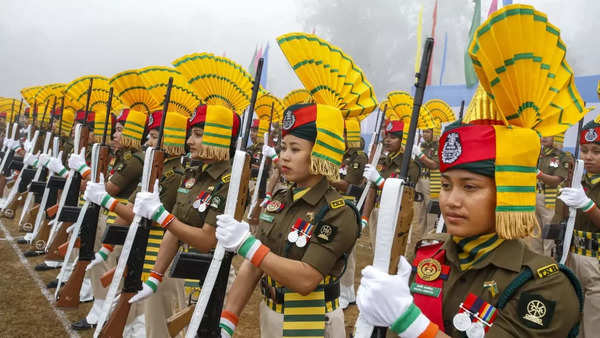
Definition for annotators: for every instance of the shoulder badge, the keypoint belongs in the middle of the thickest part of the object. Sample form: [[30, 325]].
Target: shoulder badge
[[274, 206], [226, 178], [452, 148], [216, 202], [326, 232], [535, 311], [337, 203], [127, 156], [547, 270], [169, 173]]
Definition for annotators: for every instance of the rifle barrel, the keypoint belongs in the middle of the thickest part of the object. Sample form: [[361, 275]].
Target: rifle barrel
[[87, 100], [418, 100], [164, 115], [108, 108], [62, 110], [250, 112], [462, 109], [579, 128]]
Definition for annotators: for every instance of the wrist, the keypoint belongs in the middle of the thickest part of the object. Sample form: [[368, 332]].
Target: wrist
[[364, 222], [109, 202], [163, 217], [105, 251], [228, 321], [62, 172], [84, 170], [274, 158], [253, 250], [589, 206], [153, 281], [379, 182], [413, 323]]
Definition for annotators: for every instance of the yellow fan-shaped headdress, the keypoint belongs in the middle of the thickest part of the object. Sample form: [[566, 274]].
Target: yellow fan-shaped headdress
[[78, 90], [520, 60], [263, 110], [130, 87], [481, 110], [296, 96], [441, 113], [11, 107], [225, 87], [183, 99], [527, 78]]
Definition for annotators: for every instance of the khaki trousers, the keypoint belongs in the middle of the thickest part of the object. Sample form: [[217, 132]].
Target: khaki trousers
[[271, 323], [587, 270], [544, 216], [168, 299], [347, 279]]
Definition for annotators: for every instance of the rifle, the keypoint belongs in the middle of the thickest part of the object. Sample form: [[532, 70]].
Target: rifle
[[9, 153], [462, 109], [85, 221], [398, 194], [9, 204], [263, 174], [562, 233], [375, 149], [134, 247], [234, 206]]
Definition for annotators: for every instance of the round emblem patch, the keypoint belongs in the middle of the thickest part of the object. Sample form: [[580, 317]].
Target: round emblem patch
[[429, 269], [273, 206], [591, 135], [150, 120], [288, 120], [452, 149], [536, 310], [389, 126]]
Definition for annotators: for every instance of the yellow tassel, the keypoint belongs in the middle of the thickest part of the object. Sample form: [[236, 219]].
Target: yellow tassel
[[354, 144], [128, 142], [174, 150], [319, 166], [514, 225], [214, 153]]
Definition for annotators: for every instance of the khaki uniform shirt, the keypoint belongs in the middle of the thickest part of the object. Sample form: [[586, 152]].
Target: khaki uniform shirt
[[332, 239], [429, 149], [214, 179], [255, 152], [128, 170], [353, 165], [549, 287], [582, 221], [554, 162], [168, 182], [389, 166]]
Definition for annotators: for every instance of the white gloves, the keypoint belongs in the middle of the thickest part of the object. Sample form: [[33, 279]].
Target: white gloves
[[382, 298], [575, 197], [149, 287], [270, 152], [45, 159], [148, 205], [12, 144], [96, 193], [100, 256], [27, 145], [416, 151], [77, 162], [235, 236], [373, 175], [231, 233], [56, 166], [30, 159]]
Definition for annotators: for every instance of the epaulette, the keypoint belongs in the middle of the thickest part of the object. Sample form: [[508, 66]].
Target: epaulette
[[226, 178]]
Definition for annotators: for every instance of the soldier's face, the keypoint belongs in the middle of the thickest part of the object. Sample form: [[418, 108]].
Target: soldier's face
[[152, 138], [468, 203], [590, 154], [253, 133], [547, 141], [194, 141], [427, 135], [116, 139], [392, 143], [294, 158]]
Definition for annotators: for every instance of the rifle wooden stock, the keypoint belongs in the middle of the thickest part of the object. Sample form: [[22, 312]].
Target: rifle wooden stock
[[39, 242], [53, 253], [401, 236], [135, 263], [69, 294], [180, 320], [51, 211], [27, 224], [107, 277], [62, 249], [115, 325], [11, 208]]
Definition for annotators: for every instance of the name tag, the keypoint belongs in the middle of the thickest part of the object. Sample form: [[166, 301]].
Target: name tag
[[266, 217], [183, 190]]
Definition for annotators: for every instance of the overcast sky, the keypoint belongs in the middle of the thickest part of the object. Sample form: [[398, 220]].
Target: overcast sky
[[56, 41]]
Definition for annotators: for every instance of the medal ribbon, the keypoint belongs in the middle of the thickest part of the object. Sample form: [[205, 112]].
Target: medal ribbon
[[429, 305], [482, 310], [203, 196]]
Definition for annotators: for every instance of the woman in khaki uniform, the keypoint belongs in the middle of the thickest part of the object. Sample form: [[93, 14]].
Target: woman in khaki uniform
[[480, 279], [583, 258], [307, 231], [171, 296]]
